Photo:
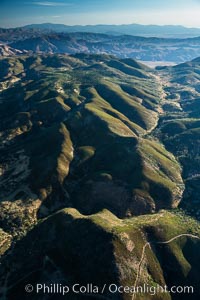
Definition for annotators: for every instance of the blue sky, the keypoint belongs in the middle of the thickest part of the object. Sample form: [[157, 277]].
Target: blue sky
[[176, 12]]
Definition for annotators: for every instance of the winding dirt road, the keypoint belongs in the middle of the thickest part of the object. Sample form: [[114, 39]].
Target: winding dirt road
[[148, 244]]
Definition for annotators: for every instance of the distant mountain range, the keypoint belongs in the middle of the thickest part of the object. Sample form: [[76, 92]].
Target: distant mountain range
[[159, 50], [167, 31], [130, 29], [148, 43]]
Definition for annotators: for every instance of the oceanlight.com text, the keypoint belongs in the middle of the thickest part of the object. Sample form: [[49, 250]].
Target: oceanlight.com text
[[90, 289]]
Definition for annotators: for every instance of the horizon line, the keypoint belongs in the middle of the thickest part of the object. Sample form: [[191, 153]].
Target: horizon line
[[101, 24]]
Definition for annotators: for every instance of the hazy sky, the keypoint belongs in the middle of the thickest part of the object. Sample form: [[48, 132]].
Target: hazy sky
[[176, 12]]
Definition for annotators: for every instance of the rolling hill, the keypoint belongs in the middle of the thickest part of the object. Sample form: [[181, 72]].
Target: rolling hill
[[99, 162]]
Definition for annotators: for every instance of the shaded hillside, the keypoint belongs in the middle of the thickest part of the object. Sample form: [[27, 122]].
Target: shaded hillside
[[180, 126], [57, 249]]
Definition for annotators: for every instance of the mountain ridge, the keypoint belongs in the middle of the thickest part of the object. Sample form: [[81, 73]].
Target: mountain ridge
[[99, 163], [133, 29], [123, 46]]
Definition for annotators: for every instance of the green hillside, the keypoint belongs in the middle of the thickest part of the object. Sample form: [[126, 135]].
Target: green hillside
[[67, 239], [99, 163]]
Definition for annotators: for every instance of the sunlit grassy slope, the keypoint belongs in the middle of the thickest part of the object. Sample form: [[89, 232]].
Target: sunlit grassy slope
[[58, 108], [72, 247]]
